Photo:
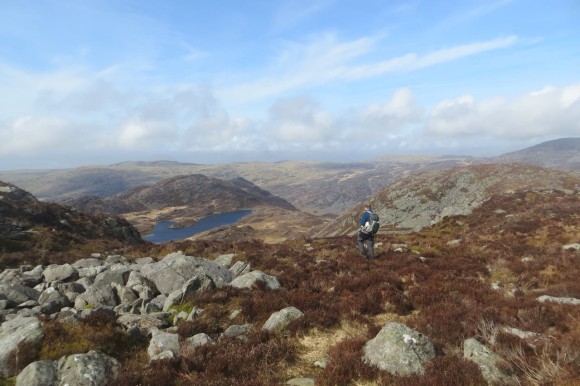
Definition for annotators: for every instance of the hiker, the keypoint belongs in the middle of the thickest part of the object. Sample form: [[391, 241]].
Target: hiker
[[366, 239]]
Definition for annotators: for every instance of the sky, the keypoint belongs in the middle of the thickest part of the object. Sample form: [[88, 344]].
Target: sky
[[86, 82]]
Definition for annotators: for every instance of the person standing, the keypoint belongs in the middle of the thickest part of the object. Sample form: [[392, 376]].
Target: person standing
[[365, 239]]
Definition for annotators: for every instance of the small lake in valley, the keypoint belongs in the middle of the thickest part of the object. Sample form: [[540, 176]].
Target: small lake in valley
[[164, 232]]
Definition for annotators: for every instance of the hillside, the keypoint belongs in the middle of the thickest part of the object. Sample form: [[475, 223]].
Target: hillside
[[494, 294], [37, 229], [420, 200], [563, 153]]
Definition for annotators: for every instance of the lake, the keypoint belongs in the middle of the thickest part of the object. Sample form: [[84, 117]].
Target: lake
[[163, 231]]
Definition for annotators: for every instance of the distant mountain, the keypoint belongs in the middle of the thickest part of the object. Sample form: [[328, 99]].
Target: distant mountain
[[28, 225], [199, 192], [182, 199], [561, 153], [314, 187], [420, 200]]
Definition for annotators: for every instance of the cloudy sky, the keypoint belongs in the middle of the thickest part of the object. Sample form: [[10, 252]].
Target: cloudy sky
[[106, 81]]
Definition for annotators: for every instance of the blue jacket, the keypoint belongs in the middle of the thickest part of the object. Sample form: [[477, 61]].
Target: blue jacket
[[366, 217]]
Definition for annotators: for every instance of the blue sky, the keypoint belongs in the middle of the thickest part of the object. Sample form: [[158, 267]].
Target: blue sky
[[100, 82]]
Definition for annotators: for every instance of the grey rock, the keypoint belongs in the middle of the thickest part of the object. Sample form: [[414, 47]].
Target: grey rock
[[16, 294], [399, 350], [175, 269], [571, 247], [250, 279], [162, 341], [117, 276], [145, 323], [198, 340], [100, 294], [91, 369], [88, 263], [225, 260], [40, 373], [495, 369], [278, 321], [240, 268], [553, 299], [64, 272], [13, 333], [301, 381], [237, 331]]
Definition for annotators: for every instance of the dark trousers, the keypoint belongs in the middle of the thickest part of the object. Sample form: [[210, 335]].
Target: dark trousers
[[366, 244]]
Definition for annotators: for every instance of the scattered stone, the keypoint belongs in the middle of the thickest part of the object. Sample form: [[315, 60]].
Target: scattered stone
[[301, 382], [495, 369], [571, 247], [198, 340], [250, 279], [548, 298], [278, 321], [237, 331]]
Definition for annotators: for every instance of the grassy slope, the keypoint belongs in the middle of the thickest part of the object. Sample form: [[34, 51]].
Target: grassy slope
[[446, 294]]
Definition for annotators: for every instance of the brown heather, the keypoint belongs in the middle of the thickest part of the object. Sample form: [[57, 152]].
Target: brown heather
[[446, 294]]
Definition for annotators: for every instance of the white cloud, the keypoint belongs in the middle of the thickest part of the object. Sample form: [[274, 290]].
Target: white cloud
[[400, 111], [300, 120], [550, 112]]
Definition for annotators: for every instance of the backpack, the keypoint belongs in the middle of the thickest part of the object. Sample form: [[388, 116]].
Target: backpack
[[372, 226]]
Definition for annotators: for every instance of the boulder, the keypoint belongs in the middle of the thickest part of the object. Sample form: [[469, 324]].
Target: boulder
[[40, 373], [64, 272], [98, 295], [399, 350], [250, 279], [176, 269], [16, 294], [162, 341], [13, 333], [91, 369], [495, 369], [198, 340], [278, 321]]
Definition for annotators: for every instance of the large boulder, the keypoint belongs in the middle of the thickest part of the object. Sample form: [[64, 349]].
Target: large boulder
[[13, 334], [176, 269], [91, 369], [399, 350], [495, 369]]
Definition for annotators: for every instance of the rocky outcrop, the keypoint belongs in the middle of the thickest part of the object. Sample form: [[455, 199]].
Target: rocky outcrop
[[139, 295], [399, 350], [29, 224]]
